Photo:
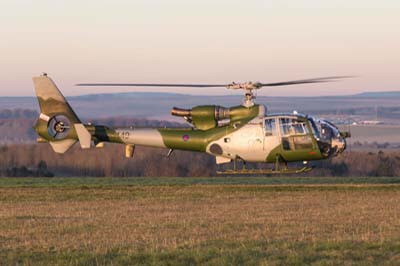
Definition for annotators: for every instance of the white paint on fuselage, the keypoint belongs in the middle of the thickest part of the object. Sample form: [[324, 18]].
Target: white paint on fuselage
[[141, 136], [248, 143]]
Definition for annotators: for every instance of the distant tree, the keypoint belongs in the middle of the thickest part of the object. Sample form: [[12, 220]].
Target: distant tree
[[42, 170]]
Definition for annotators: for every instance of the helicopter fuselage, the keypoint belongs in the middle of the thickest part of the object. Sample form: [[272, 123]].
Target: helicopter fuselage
[[263, 138]]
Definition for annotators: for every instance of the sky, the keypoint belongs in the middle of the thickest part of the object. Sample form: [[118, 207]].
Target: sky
[[208, 41]]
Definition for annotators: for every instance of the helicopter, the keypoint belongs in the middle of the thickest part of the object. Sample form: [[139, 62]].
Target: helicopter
[[242, 133]]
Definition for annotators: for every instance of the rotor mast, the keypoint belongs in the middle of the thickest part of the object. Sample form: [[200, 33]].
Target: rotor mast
[[248, 88]]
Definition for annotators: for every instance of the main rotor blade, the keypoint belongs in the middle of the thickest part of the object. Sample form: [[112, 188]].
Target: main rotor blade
[[304, 81], [151, 85], [229, 86]]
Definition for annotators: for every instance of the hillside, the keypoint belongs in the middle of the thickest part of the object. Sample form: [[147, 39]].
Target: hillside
[[158, 105]]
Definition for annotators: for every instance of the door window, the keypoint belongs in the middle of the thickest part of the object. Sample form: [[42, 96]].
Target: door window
[[270, 127]]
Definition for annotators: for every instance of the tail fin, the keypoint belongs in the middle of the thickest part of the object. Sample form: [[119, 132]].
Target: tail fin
[[58, 124]]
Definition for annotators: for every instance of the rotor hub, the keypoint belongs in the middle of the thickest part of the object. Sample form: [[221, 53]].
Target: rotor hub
[[59, 127], [248, 86]]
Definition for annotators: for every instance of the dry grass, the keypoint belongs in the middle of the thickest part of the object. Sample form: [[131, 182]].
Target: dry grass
[[155, 219]]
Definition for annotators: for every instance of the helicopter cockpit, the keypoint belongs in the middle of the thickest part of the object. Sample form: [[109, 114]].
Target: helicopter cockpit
[[330, 140], [297, 133]]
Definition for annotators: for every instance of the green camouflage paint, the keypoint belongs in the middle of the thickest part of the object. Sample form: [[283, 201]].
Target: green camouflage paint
[[51, 108], [197, 140]]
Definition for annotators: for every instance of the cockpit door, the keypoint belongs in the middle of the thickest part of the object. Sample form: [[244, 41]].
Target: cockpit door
[[297, 139], [271, 135]]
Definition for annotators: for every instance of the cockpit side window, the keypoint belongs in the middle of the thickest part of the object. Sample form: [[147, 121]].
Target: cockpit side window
[[327, 132], [270, 127], [314, 128], [291, 126]]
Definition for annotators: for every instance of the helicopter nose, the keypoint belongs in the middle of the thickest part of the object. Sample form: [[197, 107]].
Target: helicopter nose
[[339, 143]]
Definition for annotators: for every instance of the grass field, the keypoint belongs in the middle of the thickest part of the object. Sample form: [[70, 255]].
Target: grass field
[[200, 221]]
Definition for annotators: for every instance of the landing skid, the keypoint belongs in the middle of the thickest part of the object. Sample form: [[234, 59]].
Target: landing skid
[[279, 170], [264, 171]]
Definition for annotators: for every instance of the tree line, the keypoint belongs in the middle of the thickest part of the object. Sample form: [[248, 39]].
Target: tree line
[[31, 159], [40, 160]]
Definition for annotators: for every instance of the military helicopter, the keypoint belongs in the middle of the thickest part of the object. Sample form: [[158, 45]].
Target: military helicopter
[[243, 133]]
